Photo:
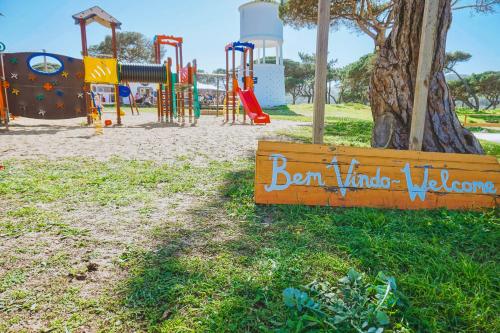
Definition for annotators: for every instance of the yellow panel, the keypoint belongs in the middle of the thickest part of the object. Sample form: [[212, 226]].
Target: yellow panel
[[99, 70]]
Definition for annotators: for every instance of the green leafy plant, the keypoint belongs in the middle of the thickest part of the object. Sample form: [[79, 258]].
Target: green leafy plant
[[351, 306]]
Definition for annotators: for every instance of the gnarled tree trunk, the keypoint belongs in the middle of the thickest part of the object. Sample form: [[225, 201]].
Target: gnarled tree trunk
[[393, 81]]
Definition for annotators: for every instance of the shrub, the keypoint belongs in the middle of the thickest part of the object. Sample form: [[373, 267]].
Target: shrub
[[350, 306]]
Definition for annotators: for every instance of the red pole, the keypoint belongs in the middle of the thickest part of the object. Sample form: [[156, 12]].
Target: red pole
[[180, 54], [115, 55]]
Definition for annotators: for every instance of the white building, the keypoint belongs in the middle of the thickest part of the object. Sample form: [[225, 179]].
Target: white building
[[260, 24]]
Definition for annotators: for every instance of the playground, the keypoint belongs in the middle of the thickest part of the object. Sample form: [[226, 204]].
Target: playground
[[129, 205], [140, 137]]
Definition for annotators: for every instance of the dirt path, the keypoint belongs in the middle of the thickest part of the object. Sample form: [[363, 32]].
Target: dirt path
[[141, 137]]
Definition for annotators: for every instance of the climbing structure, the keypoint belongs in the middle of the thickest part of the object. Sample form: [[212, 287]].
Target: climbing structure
[[233, 90], [64, 91], [180, 88], [31, 92]]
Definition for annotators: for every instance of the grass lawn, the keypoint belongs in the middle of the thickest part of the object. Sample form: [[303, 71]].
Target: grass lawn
[[351, 124], [195, 254]]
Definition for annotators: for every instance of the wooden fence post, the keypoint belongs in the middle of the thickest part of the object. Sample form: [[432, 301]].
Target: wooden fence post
[[321, 70], [425, 59]]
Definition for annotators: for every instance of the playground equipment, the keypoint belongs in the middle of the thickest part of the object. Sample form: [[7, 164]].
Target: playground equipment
[[30, 92], [246, 95], [65, 91], [173, 87], [179, 88]]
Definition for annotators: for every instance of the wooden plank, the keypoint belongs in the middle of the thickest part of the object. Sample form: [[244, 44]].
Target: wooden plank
[[482, 125], [344, 159], [273, 146], [329, 175], [374, 199], [321, 70], [290, 173], [422, 81]]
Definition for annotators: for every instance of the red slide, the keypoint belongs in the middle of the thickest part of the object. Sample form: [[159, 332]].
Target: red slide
[[252, 107]]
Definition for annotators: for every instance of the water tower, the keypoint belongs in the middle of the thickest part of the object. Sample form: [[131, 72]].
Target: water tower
[[260, 24]]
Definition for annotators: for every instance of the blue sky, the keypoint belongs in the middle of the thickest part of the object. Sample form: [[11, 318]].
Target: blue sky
[[207, 25]]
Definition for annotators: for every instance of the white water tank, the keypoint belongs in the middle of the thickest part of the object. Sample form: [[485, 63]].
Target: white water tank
[[260, 24]]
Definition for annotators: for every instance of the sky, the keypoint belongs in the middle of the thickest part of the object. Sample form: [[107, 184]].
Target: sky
[[208, 25]]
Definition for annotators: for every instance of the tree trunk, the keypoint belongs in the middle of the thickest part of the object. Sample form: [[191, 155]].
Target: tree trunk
[[393, 81]]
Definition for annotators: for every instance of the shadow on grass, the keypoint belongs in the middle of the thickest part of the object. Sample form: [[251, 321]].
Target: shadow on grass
[[225, 268]]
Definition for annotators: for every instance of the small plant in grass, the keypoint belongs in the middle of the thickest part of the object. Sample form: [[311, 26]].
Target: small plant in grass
[[351, 306]]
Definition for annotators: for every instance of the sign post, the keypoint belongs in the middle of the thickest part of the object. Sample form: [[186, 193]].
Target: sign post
[[425, 59], [321, 69]]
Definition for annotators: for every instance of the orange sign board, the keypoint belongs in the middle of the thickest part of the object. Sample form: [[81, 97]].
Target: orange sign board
[[292, 173]]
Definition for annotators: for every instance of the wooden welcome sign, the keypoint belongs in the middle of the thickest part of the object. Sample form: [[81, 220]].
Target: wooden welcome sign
[[291, 173]]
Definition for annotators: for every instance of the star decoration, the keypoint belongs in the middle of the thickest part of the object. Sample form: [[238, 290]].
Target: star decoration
[[64, 74], [14, 76], [60, 105], [31, 77], [22, 107], [40, 97], [13, 60], [80, 95], [42, 112], [59, 93], [79, 75], [55, 83], [78, 110], [15, 91], [48, 86]]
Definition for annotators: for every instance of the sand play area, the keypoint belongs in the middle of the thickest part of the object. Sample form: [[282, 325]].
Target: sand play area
[[140, 137]]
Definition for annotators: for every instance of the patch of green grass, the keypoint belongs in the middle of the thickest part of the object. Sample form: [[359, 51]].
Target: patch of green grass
[[222, 265], [32, 219], [491, 148], [304, 112], [339, 132], [445, 262], [12, 278]]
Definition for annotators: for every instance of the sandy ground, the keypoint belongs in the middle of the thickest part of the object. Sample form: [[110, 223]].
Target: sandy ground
[[140, 137]]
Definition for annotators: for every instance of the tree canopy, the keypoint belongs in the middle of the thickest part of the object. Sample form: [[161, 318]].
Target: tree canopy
[[131, 47], [371, 17]]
